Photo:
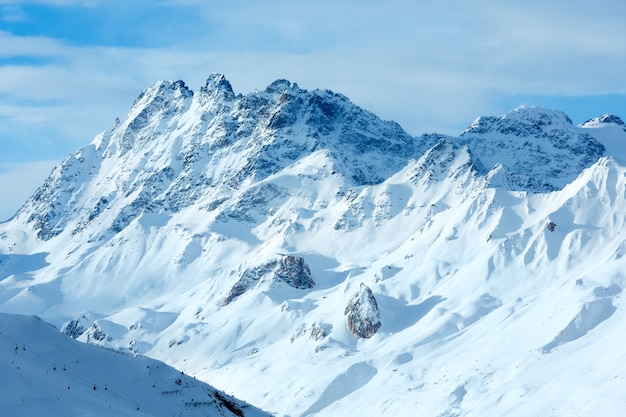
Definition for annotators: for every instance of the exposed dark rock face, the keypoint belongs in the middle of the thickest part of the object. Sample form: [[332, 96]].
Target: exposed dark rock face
[[73, 329], [294, 272], [289, 269], [536, 150], [77, 327], [97, 334], [363, 316]]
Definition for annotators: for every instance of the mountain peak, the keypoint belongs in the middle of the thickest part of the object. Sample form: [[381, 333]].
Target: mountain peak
[[218, 82], [605, 119], [522, 121], [280, 86], [218, 87], [609, 130], [539, 150], [162, 90], [175, 149]]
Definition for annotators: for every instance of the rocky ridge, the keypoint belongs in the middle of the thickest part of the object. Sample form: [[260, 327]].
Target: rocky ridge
[[178, 148]]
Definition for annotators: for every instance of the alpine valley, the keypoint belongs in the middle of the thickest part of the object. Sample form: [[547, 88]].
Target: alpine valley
[[297, 252]]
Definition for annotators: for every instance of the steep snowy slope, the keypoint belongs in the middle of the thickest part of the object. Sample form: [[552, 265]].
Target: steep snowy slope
[[46, 373], [297, 251]]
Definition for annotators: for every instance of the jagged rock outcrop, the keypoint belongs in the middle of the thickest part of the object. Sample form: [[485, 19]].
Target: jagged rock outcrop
[[77, 327], [364, 319], [97, 334], [318, 331], [289, 269]]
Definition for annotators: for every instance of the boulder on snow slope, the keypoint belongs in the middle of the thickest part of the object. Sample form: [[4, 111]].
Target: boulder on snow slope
[[362, 310], [289, 269]]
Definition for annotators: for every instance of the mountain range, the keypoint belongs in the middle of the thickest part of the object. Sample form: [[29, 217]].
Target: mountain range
[[295, 251]]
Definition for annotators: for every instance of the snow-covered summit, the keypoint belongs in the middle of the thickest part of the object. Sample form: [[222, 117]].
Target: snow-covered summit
[[522, 121], [538, 150], [177, 148], [602, 120], [218, 82]]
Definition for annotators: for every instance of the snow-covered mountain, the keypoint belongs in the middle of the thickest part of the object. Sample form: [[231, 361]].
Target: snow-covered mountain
[[298, 252], [44, 372], [539, 150]]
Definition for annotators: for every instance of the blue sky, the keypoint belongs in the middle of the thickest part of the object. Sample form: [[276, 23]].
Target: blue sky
[[69, 67]]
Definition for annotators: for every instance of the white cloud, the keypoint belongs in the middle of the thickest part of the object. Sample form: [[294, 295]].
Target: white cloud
[[35, 46]]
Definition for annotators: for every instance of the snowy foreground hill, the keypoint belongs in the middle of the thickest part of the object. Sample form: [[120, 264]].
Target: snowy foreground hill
[[299, 253], [45, 373]]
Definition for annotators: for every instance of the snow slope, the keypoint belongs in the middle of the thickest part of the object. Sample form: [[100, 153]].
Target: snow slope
[[44, 372], [293, 249], [611, 132]]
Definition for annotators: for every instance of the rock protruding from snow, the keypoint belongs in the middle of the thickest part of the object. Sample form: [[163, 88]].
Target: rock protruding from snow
[[294, 272], [363, 316], [77, 327], [289, 269], [317, 332], [97, 334]]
